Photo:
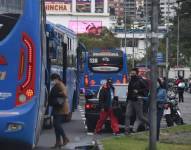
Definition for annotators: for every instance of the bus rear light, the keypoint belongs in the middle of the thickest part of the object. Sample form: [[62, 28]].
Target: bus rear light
[[124, 78], [3, 60], [25, 91], [88, 106], [86, 81], [21, 64], [22, 98], [29, 92]]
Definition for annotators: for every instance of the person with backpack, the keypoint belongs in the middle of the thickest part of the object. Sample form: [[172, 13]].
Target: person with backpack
[[137, 90], [106, 96], [58, 95]]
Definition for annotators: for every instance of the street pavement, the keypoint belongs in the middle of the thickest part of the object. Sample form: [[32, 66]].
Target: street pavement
[[77, 133], [75, 130], [185, 108]]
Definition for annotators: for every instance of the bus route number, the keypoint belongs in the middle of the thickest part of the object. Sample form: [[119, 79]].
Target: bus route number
[[93, 60]]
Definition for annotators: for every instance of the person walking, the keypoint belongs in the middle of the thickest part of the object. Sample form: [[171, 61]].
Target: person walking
[[161, 99], [58, 91], [180, 87], [137, 90], [106, 95]]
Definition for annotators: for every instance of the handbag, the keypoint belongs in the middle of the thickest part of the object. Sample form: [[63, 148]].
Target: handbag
[[66, 107]]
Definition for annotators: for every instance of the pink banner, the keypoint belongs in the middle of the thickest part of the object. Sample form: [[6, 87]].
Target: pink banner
[[79, 26]]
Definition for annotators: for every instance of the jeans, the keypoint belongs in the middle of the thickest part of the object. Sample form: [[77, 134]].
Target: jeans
[[59, 131], [159, 117]]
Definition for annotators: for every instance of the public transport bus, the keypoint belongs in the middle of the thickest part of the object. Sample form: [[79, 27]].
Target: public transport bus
[[22, 72], [102, 64], [64, 55]]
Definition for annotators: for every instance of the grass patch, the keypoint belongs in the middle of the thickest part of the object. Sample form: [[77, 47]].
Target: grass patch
[[176, 138]]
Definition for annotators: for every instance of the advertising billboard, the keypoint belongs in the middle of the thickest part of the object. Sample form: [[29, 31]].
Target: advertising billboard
[[55, 6], [80, 26]]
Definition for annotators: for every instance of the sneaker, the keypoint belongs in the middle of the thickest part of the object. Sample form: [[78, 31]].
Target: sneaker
[[116, 134]]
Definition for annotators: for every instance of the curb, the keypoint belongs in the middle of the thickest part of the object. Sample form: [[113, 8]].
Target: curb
[[99, 145]]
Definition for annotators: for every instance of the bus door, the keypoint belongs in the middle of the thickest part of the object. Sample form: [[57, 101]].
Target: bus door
[[64, 46]]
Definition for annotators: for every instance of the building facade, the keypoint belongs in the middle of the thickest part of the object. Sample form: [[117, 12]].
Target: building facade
[[79, 15]]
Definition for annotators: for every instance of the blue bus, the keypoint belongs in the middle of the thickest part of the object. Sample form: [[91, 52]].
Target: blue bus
[[101, 64], [64, 53], [23, 64]]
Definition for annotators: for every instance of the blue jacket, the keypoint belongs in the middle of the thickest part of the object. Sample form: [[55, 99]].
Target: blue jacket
[[161, 95]]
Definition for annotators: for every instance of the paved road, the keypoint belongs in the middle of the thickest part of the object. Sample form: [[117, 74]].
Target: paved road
[[78, 135], [186, 108], [75, 130]]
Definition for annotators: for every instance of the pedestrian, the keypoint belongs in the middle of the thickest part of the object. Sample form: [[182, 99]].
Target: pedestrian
[[137, 90], [180, 87], [58, 91], [106, 96], [161, 99]]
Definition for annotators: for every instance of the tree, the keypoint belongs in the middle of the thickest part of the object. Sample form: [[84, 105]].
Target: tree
[[105, 39], [184, 13], [185, 33]]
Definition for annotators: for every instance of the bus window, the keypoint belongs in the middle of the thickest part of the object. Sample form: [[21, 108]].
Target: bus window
[[105, 62], [10, 11]]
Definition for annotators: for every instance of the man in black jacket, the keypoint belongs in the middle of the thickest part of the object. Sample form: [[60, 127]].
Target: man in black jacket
[[105, 101], [137, 90]]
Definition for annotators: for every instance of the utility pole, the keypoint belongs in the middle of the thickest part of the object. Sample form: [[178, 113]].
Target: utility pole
[[167, 46], [133, 43], [146, 36], [125, 22], [154, 50], [178, 34]]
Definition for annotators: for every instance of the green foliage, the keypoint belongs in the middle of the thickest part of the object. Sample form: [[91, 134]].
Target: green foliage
[[105, 40], [176, 138], [185, 36]]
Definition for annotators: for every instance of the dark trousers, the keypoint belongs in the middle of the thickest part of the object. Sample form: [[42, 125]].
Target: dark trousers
[[159, 117], [136, 106], [181, 95], [59, 131]]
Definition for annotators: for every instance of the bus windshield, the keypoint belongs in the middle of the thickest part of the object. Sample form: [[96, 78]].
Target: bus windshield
[[105, 62], [10, 11]]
